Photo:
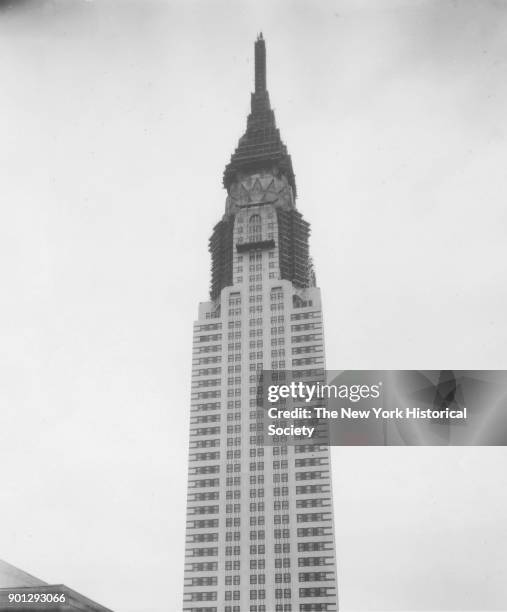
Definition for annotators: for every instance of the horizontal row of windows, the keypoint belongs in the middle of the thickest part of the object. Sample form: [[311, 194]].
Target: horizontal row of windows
[[253, 466], [208, 418], [317, 592], [203, 510], [305, 315], [315, 561], [206, 496], [208, 327], [206, 394], [212, 348], [308, 361], [309, 461], [307, 489], [203, 524], [260, 564], [316, 576], [207, 382], [277, 519], [261, 593], [309, 448], [278, 534], [204, 469], [202, 552], [203, 566], [205, 406], [201, 581], [305, 326], [260, 507], [314, 348], [311, 517], [311, 546], [205, 482], [208, 338], [194, 444], [206, 360], [204, 443], [258, 594], [207, 371], [307, 532], [312, 475], [205, 431], [306, 338], [212, 315], [202, 537], [200, 596]]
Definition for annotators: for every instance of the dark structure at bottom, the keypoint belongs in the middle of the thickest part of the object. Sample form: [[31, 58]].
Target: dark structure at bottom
[[22, 592]]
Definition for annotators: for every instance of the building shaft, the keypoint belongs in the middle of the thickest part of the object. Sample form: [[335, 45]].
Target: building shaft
[[260, 531]]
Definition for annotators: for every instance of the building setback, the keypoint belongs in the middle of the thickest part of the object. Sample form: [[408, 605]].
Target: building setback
[[260, 533]]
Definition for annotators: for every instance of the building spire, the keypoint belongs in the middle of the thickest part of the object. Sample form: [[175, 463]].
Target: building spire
[[260, 148], [260, 64]]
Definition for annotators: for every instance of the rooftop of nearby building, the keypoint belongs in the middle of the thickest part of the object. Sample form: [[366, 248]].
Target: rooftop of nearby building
[[11, 576], [16, 581]]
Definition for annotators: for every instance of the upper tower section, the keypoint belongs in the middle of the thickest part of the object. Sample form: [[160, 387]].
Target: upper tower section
[[260, 149], [260, 186]]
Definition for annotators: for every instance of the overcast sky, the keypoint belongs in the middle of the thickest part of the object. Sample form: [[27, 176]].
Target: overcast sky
[[117, 119]]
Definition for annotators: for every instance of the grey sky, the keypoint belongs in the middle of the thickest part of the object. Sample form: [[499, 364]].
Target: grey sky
[[117, 121]]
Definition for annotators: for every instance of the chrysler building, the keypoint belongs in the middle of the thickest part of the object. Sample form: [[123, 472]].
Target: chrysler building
[[260, 532]]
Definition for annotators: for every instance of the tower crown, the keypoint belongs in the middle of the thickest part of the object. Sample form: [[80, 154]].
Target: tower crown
[[261, 147]]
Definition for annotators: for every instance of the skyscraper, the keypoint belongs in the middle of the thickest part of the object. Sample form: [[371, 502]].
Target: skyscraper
[[260, 534]]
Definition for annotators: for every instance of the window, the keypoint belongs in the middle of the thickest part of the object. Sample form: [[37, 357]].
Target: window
[[254, 228]]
